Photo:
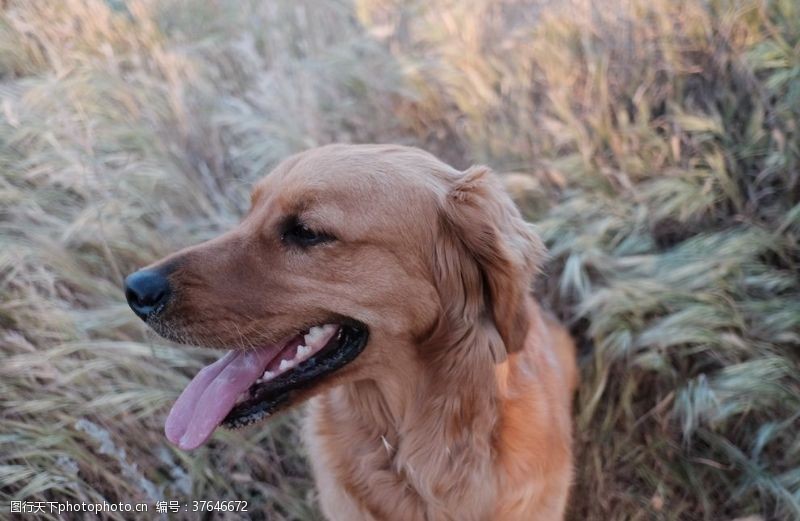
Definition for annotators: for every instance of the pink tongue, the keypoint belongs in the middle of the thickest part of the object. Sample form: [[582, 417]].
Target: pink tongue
[[211, 395]]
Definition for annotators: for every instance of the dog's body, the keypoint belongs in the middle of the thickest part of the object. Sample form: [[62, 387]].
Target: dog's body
[[422, 445], [440, 389]]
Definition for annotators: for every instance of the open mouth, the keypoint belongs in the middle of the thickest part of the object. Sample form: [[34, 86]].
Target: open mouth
[[244, 387]]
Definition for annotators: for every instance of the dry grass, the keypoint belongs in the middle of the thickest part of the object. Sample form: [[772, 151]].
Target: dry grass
[[656, 143]]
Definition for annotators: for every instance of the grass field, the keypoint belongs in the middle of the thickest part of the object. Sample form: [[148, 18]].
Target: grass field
[[656, 143]]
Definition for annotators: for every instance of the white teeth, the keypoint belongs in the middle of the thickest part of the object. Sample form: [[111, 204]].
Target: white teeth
[[317, 335], [329, 329], [313, 336], [315, 340], [302, 352]]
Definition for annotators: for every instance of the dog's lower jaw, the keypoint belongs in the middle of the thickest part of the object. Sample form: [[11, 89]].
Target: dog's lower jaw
[[434, 444]]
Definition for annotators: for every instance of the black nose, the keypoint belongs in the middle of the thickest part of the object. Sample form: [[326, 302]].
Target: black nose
[[147, 292]]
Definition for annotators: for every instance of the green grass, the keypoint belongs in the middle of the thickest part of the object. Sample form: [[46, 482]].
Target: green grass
[[656, 144]]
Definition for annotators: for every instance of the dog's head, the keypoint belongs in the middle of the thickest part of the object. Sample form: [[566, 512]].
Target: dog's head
[[352, 261]]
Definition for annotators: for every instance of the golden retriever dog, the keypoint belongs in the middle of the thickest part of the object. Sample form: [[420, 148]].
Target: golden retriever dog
[[393, 292]]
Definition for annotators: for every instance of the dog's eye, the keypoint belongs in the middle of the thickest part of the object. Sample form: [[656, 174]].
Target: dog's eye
[[299, 234]]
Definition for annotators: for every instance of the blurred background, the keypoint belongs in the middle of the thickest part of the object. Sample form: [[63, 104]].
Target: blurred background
[[655, 143]]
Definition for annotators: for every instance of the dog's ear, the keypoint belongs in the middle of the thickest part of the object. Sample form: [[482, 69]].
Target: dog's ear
[[487, 255]]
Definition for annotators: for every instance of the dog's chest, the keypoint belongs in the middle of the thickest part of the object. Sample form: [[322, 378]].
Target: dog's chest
[[362, 474]]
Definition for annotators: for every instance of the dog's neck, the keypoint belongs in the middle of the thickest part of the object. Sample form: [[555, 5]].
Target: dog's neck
[[430, 423], [451, 396]]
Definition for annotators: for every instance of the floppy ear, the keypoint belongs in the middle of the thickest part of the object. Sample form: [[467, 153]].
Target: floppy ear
[[487, 255]]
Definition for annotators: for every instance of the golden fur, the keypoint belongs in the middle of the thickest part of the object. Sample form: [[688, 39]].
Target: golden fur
[[459, 407]]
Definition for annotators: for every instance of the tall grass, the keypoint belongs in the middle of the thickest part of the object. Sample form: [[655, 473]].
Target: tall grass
[[655, 143]]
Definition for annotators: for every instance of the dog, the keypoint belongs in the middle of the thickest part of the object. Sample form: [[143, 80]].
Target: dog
[[393, 293]]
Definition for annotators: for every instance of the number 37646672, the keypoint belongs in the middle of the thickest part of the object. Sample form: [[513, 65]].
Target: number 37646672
[[218, 506]]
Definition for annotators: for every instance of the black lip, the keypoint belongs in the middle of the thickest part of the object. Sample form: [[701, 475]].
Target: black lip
[[276, 395]]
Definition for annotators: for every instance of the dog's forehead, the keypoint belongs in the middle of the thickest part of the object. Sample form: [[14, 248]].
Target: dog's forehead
[[366, 176]]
